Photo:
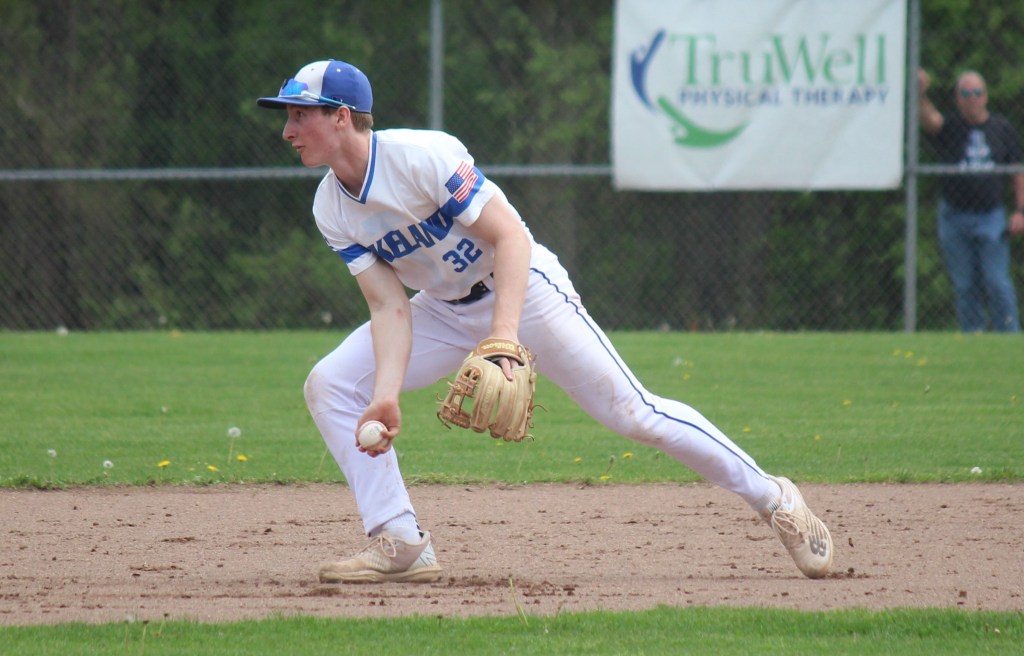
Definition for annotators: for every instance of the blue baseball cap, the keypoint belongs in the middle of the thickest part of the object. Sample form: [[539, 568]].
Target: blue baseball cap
[[330, 83]]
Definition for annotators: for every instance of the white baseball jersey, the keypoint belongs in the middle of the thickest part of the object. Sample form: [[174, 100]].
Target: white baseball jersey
[[420, 192]]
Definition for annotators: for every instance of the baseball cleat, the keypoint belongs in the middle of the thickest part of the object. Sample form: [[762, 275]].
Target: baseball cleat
[[805, 536], [386, 558]]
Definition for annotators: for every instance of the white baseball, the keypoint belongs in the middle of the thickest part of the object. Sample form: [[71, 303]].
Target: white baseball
[[370, 434]]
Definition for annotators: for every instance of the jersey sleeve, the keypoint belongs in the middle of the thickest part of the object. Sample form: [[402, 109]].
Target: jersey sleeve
[[356, 256], [460, 188]]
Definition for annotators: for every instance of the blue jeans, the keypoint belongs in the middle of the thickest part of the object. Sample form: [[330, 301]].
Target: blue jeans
[[976, 248]]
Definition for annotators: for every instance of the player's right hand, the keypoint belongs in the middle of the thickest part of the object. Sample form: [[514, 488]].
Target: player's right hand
[[387, 412]]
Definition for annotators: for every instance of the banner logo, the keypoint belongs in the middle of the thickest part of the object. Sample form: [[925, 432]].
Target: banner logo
[[685, 131]]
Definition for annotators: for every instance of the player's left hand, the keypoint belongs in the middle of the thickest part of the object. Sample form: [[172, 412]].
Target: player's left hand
[[494, 401], [506, 363]]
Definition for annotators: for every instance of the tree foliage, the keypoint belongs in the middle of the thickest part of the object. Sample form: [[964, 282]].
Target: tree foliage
[[154, 84]]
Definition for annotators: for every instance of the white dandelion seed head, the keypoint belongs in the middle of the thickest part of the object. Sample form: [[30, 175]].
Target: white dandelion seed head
[[107, 464], [52, 453], [234, 431]]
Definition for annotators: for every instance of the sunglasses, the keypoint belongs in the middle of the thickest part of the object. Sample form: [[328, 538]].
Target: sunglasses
[[968, 93], [294, 89]]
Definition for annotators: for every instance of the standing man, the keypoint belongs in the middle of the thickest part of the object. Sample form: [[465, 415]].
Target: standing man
[[973, 231], [409, 209]]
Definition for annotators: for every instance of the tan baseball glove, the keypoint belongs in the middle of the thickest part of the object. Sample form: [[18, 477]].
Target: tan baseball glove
[[502, 406]]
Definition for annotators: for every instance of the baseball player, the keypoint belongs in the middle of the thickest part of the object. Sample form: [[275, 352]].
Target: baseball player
[[409, 209]]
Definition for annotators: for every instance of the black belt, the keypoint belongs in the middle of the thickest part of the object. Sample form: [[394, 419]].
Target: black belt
[[477, 292]]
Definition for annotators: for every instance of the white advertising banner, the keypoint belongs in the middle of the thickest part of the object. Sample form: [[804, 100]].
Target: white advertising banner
[[758, 94]]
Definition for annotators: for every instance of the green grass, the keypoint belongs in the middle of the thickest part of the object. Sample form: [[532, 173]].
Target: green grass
[[817, 407], [659, 631], [830, 408]]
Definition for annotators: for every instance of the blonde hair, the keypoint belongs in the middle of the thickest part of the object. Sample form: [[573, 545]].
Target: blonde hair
[[361, 121]]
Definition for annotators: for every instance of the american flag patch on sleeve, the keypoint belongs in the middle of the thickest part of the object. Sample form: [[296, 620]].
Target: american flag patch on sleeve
[[461, 182]]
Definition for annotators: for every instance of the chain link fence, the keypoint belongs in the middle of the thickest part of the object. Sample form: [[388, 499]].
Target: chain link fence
[[141, 187]]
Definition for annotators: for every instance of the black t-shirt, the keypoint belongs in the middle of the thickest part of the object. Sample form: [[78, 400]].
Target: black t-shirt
[[976, 147]]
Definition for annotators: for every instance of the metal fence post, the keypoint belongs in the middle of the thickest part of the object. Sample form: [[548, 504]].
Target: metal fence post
[[912, 155], [436, 65]]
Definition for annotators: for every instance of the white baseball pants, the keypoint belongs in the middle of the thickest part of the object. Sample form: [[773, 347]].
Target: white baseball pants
[[571, 350]]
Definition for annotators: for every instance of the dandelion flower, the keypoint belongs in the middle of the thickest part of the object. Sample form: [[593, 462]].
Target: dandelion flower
[[212, 468], [817, 438], [577, 460], [605, 477], [847, 402], [234, 431], [746, 429], [241, 458], [627, 455], [163, 463]]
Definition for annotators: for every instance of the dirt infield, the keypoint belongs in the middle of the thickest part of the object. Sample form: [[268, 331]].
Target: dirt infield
[[241, 552]]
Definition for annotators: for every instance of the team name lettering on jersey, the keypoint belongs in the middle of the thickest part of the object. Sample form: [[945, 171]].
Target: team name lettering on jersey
[[402, 242]]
